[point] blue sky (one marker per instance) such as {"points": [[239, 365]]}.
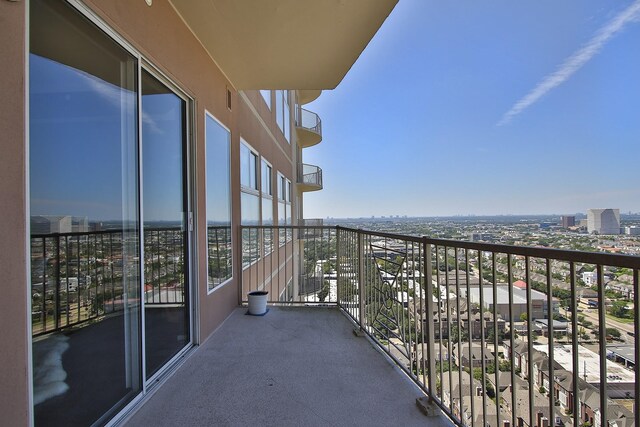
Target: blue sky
{"points": [[492, 107]]}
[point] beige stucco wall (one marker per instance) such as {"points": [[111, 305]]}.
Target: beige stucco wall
{"points": [[14, 383], [163, 39]]}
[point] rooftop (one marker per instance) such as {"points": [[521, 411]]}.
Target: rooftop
{"points": [[589, 364]]}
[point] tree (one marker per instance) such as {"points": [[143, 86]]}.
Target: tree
{"points": [[619, 309], [505, 366], [455, 334], [523, 317]]}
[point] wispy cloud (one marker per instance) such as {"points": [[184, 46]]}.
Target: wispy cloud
{"points": [[575, 61]]}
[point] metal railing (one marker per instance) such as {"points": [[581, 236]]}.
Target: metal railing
{"points": [[308, 120], [298, 269], [310, 175], [80, 277], [495, 335]]}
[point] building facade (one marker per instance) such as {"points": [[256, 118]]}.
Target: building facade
{"points": [[568, 221], [137, 137], [603, 221]]}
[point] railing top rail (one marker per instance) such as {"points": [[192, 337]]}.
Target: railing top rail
{"points": [[80, 233], [309, 112], [98, 232], [310, 166]]}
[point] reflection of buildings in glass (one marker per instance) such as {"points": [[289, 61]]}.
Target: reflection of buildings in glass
{"points": [[47, 224]]}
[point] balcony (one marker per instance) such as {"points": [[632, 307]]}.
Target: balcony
{"points": [[292, 367], [308, 127], [309, 177], [428, 304]]}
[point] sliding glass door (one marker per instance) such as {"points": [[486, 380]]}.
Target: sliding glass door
{"points": [[165, 222], [109, 201], [85, 237]]}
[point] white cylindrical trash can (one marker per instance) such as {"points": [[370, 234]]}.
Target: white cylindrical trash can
{"points": [[257, 302]]}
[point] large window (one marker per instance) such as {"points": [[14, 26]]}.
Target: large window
{"points": [[284, 206], [218, 169], [249, 203], [267, 205], [287, 116], [248, 168], [280, 109], [283, 114]]}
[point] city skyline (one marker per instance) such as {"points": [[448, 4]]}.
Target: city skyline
{"points": [[488, 109]]}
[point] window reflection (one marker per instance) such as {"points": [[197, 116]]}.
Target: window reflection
{"points": [[84, 205], [218, 161]]}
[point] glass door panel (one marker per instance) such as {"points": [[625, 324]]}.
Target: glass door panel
{"points": [[165, 203], [85, 281]]}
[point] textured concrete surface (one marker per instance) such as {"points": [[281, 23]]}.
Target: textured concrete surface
{"points": [[292, 367]]}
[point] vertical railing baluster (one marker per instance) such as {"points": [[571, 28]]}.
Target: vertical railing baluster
{"points": [[483, 343], [574, 345], [449, 320], [602, 336], [56, 314], [514, 407], [636, 340], [44, 284], [439, 317], [66, 262], [496, 332], [469, 339], [428, 274], [361, 306], [550, 342], [338, 243], [529, 341], [459, 329]]}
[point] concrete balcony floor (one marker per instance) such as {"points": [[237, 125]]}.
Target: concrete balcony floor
{"points": [[291, 367]]}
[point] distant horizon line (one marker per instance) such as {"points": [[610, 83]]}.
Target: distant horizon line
{"points": [[628, 213]]}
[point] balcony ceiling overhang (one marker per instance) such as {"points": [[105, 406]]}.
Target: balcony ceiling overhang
{"points": [[284, 44]]}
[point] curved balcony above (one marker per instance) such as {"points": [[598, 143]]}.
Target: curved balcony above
{"points": [[305, 96], [309, 177], [308, 127]]}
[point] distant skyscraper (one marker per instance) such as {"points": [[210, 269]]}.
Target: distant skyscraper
{"points": [[568, 221], [603, 221]]}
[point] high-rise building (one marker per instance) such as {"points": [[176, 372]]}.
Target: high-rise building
{"points": [[603, 221], [568, 221]]}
